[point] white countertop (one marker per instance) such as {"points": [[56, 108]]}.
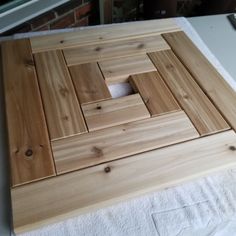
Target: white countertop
{"points": [[220, 37]]}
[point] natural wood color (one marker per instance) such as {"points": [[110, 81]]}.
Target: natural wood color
{"points": [[108, 33], [195, 103], [126, 152], [89, 83], [121, 141], [119, 70], [62, 109], [99, 52], [83, 191], [29, 149], [114, 112], [206, 75], [155, 93]]}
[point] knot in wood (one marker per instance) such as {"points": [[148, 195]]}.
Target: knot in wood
{"points": [[169, 67], [98, 49], [29, 64], [97, 151], [107, 169], [29, 154], [141, 45], [232, 148], [64, 91]]}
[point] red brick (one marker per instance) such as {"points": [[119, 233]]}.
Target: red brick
{"points": [[67, 7], [45, 27], [83, 11], [42, 19], [83, 22], [63, 22]]}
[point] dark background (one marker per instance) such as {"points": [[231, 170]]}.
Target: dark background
{"points": [[154, 9]]}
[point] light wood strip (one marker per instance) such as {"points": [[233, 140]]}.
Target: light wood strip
{"points": [[62, 109], [196, 104], [99, 52], [108, 33], [121, 141], [29, 148], [155, 93], [96, 187], [119, 70], [114, 112], [206, 75], [89, 83]]}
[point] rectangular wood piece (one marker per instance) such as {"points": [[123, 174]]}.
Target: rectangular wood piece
{"points": [[108, 33], [89, 189], [118, 70], [204, 115], [90, 149], [114, 112], [89, 83], [62, 109], [29, 148], [100, 52], [155, 93], [214, 85]]}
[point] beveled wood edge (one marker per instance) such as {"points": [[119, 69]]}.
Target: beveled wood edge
{"points": [[66, 40], [128, 196]]}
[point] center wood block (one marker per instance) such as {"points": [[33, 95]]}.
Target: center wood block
{"points": [[114, 112], [154, 92]]}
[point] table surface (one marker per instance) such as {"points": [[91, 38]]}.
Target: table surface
{"points": [[214, 30], [220, 37]]}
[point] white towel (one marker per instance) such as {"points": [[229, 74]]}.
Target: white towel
{"points": [[205, 207]]}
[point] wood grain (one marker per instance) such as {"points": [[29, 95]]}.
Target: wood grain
{"points": [[195, 103], [109, 183], [155, 93], [62, 109], [107, 51], [121, 141], [29, 149], [214, 85], [114, 112], [108, 33], [119, 70], [89, 83]]}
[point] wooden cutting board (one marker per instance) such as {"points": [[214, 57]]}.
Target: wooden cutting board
{"points": [[73, 148]]}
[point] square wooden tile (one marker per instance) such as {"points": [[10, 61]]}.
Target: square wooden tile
{"points": [[73, 148]]}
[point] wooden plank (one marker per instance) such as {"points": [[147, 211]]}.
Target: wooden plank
{"points": [[108, 33], [107, 9], [196, 104], [155, 93], [109, 183], [119, 70], [62, 109], [29, 148], [114, 112], [214, 85], [121, 141], [89, 83], [99, 52]]}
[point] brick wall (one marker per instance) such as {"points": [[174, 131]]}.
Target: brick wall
{"points": [[73, 14]]}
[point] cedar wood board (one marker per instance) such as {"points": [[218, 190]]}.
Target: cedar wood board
{"points": [[66, 131]]}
